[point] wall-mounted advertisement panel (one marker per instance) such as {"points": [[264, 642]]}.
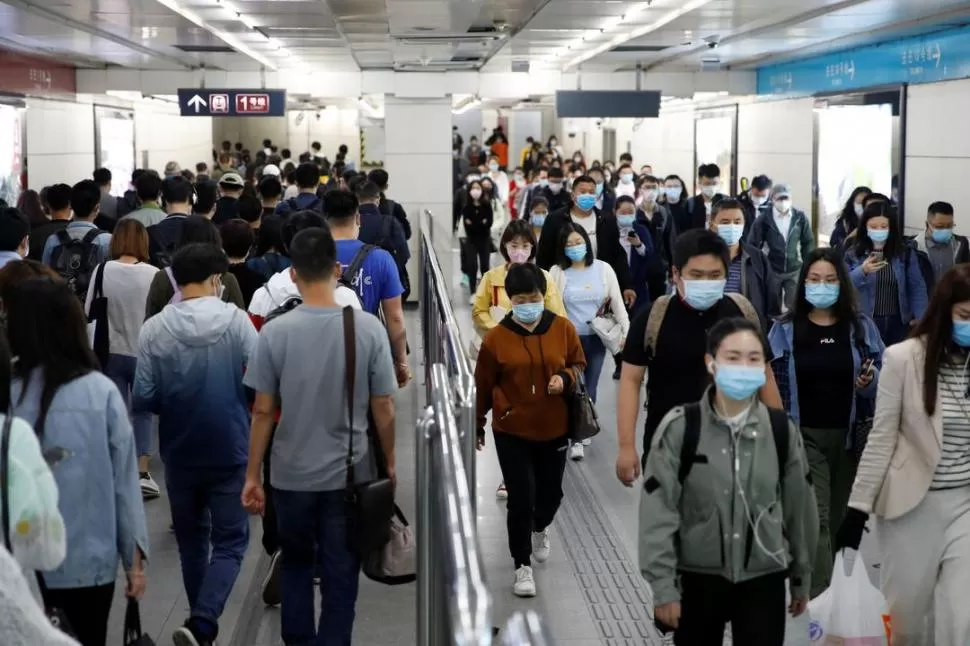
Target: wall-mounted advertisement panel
{"points": [[114, 145], [13, 174]]}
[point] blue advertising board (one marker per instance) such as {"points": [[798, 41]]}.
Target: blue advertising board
{"points": [[196, 102], [938, 56]]}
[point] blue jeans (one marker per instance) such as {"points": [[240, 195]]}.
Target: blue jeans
{"points": [[314, 526], [206, 511], [121, 370], [595, 353]]}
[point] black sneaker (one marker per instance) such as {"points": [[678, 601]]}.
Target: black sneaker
{"points": [[272, 595]]}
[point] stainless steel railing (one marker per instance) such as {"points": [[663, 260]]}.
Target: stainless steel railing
{"points": [[454, 604], [443, 344]]}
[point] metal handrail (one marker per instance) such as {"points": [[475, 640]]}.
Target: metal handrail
{"points": [[454, 603], [443, 344], [525, 629]]}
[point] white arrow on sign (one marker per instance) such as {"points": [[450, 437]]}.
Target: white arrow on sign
{"points": [[197, 102]]}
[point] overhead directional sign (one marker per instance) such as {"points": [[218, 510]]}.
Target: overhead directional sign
{"points": [[938, 56], [195, 102]]}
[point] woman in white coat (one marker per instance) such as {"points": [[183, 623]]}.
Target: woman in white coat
{"points": [[914, 475], [590, 290]]}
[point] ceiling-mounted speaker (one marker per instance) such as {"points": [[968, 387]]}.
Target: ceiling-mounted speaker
{"points": [[299, 118]]}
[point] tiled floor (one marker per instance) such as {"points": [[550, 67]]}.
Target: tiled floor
{"points": [[590, 591]]}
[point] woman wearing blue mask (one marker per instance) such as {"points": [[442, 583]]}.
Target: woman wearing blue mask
{"points": [[637, 241], [827, 358], [674, 197], [914, 476], [525, 366], [589, 289], [886, 271], [739, 524]]}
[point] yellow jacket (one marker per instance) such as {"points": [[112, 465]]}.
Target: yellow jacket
{"points": [[491, 293]]}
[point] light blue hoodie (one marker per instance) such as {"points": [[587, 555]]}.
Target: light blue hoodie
{"points": [[191, 359]]}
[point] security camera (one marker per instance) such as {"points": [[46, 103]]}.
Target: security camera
{"points": [[712, 41]]}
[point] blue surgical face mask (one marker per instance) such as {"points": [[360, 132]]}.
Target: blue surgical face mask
{"points": [[538, 219], [961, 333], [703, 294], [730, 233], [493, 167], [626, 220], [673, 193], [543, 182], [878, 235], [599, 189], [822, 295], [576, 253], [941, 236], [528, 312], [737, 381], [586, 202]]}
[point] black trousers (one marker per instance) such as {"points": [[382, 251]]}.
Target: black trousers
{"points": [[533, 478], [86, 610], [475, 261], [755, 608], [271, 537]]}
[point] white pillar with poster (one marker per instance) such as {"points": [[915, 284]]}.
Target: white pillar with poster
{"points": [[418, 161]]}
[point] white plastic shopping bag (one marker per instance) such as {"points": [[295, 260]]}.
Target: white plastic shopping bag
{"points": [[852, 612]]}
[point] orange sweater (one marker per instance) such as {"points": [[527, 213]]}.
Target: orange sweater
{"points": [[513, 371]]}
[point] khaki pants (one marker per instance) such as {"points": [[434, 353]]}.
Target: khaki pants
{"points": [[926, 570], [833, 470]]}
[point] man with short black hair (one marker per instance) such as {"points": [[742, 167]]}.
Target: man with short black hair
{"points": [[250, 210], [14, 235], [371, 271], [201, 172], [670, 337], [554, 190], [206, 196], [231, 187], [85, 203], [270, 193], [699, 207], [754, 200], [109, 203], [148, 187], [379, 229], [938, 249], [191, 359], [59, 201], [164, 237], [302, 359], [388, 206], [307, 180]]}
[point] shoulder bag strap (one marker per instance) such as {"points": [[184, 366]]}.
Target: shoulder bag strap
{"points": [[655, 321], [99, 281], [350, 355], [5, 479]]}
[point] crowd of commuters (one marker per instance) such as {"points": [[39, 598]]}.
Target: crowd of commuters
{"points": [[193, 300], [794, 391]]}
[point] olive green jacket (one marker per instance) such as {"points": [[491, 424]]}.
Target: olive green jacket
{"points": [[701, 527]]}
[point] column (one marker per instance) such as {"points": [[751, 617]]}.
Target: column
{"points": [[417, 158]]}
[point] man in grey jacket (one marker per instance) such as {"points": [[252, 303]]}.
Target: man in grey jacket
{"points": [[733, 526]]}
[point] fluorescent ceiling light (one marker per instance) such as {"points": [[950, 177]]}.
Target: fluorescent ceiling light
{"points": [[370, 109], [669, 17], [473, 102], [229, 39], [236, 14]]}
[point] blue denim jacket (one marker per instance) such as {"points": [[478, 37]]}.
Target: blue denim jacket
{"points": [[100, 498], [780, 338], [912, 288]]}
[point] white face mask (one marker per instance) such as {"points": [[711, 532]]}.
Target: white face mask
{"points": [[783, 206], [709, 190], [475, 193], [758, 200], [555, 187], [859, 209]]}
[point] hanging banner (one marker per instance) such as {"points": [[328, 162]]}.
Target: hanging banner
{"points": [[21, 74]]}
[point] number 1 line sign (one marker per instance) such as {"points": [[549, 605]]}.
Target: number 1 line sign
{"points": [[196, 102]]}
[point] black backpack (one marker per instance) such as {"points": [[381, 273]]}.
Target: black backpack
{"points": [[692, 437], [315, 205], [348, 277], [76, 260]]}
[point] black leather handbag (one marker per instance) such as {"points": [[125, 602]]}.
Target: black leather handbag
{"points": [[55, 615], [583, 421], [133, 634], [370, 505]]}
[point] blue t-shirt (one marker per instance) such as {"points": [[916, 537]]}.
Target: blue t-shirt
{"points": [[378, 280]]}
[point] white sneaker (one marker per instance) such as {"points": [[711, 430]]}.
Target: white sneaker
{"points": [[525, 584], [502, 493], [471, 299], [576, 452], [149, 488], [540, 545]]}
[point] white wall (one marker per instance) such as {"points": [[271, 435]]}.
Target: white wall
{"points": [[937, 151], [775, 138], [60, 142], [666, 143], [166, 136], [522, 124], [469, 124], [331, 127]]}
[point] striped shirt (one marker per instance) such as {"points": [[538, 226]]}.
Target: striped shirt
{"points": [[887, 292], [733, 285], [953, 470]]}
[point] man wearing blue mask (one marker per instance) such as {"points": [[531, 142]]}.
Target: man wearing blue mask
{"points": [[939, 248], [749, 273], [601, 227], [670, 337]]}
